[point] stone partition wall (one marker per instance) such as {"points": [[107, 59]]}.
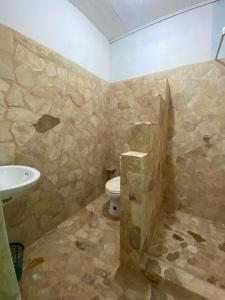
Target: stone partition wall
{"points": [[135, 100], [52, 117], [142, 179], [195, 170]]}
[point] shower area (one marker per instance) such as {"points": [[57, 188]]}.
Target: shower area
{"points": [[172, 226], [162, 133]]}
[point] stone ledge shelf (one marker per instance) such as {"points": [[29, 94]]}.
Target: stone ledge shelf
{"points": [[135, 154]]}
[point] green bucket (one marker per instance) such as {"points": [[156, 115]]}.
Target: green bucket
{"points": [[17, 250]]}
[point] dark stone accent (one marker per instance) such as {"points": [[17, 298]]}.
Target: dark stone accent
{"points": [[101, 273], [131, 196], [45, 123], [95, 298], [177, 237], [196, 236], [81, 245], [134, 237], [153, 266], [91, 248], [222, 246], [123, 297], [162, 249], [168, 227], [35, 262], [173, 256], [157, 294], [183, 244], [222, 285], [212, 280], [151, 276], [170, 274], [89, 279]]}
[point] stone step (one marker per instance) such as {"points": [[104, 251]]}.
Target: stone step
{"points": [[165, 275]]}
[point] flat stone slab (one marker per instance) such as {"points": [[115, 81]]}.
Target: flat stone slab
{"points": [[188, 252]]}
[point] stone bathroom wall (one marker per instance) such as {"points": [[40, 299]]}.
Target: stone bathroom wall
{"points": [[55, 116], [142, 178], [135, 100], [52, 117], [195, 170]]}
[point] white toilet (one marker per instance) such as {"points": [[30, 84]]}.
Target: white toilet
{"points": [[112, 190]]}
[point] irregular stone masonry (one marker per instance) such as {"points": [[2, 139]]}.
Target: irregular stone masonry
{"points": [[194, 174], [142, 180], [93, 131], [53, 117], [79, 260], [187, 253]]}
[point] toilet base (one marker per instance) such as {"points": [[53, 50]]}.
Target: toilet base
{"points": [[114, 208]]}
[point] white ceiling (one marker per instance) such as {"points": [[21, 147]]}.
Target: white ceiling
{"points": [[116, 18]]}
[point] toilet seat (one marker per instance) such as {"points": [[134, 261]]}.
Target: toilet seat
{"points": [[112, 190], [113, 186]]}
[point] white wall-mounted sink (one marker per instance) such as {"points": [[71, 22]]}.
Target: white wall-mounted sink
{"points": [[15, 180]]}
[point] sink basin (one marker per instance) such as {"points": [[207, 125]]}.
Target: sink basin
{"points": [[15, 180]]}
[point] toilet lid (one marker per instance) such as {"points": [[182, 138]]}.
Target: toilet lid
{"points": [[113, 185]]}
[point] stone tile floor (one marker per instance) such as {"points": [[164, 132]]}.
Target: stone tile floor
{"points": [[79, 259], [190, 252]]}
